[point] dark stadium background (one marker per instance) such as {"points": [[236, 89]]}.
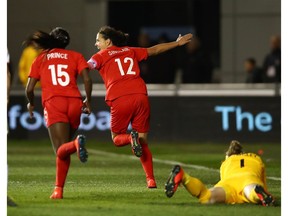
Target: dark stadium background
{"points": [[229, 29]]}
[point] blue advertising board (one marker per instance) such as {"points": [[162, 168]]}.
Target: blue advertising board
{"points": [[173, 118]]}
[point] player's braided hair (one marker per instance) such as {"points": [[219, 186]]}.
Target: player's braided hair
{"points": [[234, 148], [117, 37]]}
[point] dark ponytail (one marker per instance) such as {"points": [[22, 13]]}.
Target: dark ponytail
{"points": [[57, 38], [117, 37]]}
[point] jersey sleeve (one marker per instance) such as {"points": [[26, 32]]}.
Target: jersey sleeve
{"points": [[95, 61], [82, 63], [140, 53]]}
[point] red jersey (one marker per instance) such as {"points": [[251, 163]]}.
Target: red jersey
{"points": [[119, 69], [57, 70]]}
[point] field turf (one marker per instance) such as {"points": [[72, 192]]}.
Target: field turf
{"points": [[112, 182]]}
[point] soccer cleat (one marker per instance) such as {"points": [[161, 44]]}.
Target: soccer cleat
{"points": [[173, 181], [151, 183], [81, 150], [135, 145], [57, 193], [265, 198], [10, 202]]}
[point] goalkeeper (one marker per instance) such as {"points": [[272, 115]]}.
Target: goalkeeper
{"points": [[242, 180]]}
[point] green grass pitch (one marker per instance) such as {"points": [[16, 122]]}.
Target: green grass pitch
{"points": [[112, 182]]}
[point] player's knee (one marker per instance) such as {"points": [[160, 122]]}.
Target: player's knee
{"points": [[143, 139], [218, 195], [61, 154]]}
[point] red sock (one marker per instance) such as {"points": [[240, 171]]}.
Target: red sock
{"points": [[146, 160], [122, 140], [66, 150], [62, 167], [63, 162]]}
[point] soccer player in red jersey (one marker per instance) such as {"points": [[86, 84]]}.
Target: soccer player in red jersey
{"points": [[126, 91], [57, 70]]}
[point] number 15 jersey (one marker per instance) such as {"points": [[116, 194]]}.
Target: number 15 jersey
{"points": [[57, 70], [119, 69]]}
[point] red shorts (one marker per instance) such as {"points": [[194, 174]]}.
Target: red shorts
{"points": [[63, 109], [133, 108]]}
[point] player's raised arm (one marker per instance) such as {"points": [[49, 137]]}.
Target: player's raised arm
{"points": [[163, 47]]}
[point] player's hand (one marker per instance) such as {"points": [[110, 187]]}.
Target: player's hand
{"points": [[182, 40], [30, 109], [86, 108]]}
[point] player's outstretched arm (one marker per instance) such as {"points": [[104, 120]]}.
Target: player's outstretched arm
{"points": [[163, 47]]}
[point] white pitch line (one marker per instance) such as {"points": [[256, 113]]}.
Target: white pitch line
{"points": [[167, 162]]}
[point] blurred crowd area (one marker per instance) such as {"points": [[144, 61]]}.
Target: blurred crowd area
{"points": [[234, 42], [190, 64], [193, 64]]}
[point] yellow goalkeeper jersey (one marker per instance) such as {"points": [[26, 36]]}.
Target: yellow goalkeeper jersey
{"points": [[242, 164], [238, 171]]}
